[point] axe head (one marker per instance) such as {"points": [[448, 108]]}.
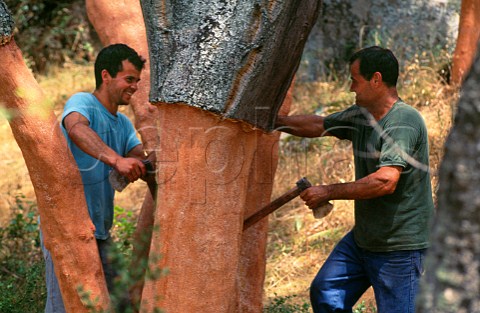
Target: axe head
{"points": [[324, 209], [303, 184]]}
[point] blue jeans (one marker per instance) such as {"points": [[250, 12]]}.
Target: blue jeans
{"points": [[350, 270], [54, 303]]}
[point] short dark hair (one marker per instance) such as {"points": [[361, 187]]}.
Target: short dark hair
{"points": [[376, 59], [111, 57]]}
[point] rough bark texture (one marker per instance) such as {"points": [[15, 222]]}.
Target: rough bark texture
{"points": [[452, 282], [66, 226], [236, 59], [468, 37]]}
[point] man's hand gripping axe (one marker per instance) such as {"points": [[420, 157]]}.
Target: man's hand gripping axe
{"points": [[320, 212]]}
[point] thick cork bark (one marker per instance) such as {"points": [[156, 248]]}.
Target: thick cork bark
{"points": [[235, 59], [66, 226], [252, 260], [452, 280], [468, 37]]}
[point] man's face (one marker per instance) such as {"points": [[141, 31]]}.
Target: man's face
{"points": [[364, 93], [124, 85]]}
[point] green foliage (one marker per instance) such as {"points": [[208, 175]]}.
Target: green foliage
{"points": [[362, 307], [123, 229], [286, 305], [52, 32], [121, 255], [22, 268], [21, 263]]}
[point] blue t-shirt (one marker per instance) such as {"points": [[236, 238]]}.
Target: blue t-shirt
{"points": [[115, 131]]}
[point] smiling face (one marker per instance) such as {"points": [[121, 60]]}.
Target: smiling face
{"points": [[364, 92], [121, 87]]}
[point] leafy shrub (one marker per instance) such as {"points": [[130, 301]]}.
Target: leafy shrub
{"points": [[52, 32], [22, 269], [362, 307], [286, 305], [21, 264], [124, 225]]}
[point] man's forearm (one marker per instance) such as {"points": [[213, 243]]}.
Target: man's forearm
{"points": [[90, 143], [301, 125], [380, 183]]}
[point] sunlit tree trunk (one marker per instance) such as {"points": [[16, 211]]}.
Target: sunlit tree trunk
{"points": [[252, 265], [220, 72], [252, 260], [468, 36], [206, 164], [66, 226], [452, 280]]}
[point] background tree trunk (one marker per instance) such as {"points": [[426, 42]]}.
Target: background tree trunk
{"points": [[452, 282], [468, 37], [66, 226], [130, 29]]}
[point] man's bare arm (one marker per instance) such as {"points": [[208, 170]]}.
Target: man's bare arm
{"points": [[302, 125], [88, 141], [382, 182]]}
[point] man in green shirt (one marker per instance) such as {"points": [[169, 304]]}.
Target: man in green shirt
{"points": [[392, 191]]}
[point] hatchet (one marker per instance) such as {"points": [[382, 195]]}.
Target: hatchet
{"points": [[323, 210]]}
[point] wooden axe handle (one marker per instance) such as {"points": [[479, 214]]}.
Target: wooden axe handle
{"points": [[301, 185]]}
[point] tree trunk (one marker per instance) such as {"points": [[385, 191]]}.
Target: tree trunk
{"points": [[130, 29], [468, 37], [452, 282], [214, 243], [252, 265], [233, 59], [236, 61], [66, 226]]}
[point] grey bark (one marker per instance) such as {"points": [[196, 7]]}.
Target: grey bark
{"points": [[452, 281], [6, 24], [234, 58]]}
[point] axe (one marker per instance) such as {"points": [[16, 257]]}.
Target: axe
{"points": [[320, 212]]}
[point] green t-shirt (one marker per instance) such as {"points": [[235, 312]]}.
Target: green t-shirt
{"points": [[399, 221]]}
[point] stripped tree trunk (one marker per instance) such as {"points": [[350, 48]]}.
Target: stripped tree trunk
{"points": [[130, 29], [252, 265], [220, 71], [468, 37], [122, 22], [452, 282], [252, 262], [66, 226]]}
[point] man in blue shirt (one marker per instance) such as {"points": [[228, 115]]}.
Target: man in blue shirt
{"points": [[101, 139]]}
